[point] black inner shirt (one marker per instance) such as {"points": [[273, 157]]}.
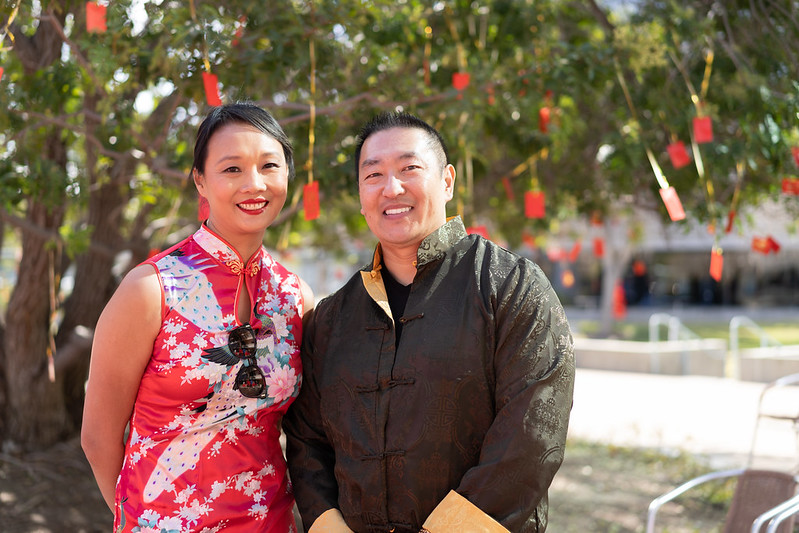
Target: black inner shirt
{"points": [[397, 298]]}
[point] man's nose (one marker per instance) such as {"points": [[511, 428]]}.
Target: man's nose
{"points": [[393, 186]]}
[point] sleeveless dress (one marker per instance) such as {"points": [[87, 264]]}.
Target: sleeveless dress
{"points": [[201, 457]]}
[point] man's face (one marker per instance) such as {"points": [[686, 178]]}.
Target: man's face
{"points": [[404, 187]]}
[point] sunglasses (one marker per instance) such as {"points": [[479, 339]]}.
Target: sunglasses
{"points": [[250, 380]]}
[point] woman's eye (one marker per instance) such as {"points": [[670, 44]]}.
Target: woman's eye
{"points": [[231, 169]]}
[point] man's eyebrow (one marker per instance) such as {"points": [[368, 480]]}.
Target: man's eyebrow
{"points": [[375, 161]]}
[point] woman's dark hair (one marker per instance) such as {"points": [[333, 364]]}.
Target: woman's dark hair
{"points": [[388, 120], [240, 112]]}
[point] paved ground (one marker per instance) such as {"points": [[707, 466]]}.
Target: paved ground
{"points": [[707, 416]]}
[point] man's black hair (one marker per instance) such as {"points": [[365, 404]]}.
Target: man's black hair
{"points": [[390, 119]]}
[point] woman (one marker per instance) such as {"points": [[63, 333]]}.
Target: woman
{"points": [[198, 350]]}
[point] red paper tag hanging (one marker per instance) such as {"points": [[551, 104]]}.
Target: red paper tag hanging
{"points": [[310, 200], [773, 245], [95, 18], [790, 186], [1, 73], [534, 204], [730, 220], [575, 252], [716, 264], [543, 119], [703, 130], [460, 80], [211, 89], [678, 154], [477, 230], [203, 209], [795, 154], [508, 189], [619, 302], [529, 240], [599, 247], [239, 30], [491, 98], [596, 218], [673, 204]]}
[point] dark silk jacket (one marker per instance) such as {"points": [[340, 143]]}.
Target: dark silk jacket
{"points": [[476, 398]]}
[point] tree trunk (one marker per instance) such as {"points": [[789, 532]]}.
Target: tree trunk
{"points": [[35, 408], [618, 251]]}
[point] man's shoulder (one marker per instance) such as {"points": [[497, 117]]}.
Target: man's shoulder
{"points": [[486, 250]]}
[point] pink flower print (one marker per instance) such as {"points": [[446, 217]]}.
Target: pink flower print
{"points": [[280, 383]]}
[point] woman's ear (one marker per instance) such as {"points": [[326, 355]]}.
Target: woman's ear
{"points": [[199, 182]]}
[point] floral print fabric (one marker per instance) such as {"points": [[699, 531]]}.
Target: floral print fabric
{"points": [[200, 456]]}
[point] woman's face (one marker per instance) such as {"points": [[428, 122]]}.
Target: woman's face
{"points": [[245, 182]]}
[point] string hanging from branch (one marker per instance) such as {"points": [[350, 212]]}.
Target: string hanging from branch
{"points": [[310, 197], [667, 192]]}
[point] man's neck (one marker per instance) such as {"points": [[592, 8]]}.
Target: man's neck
{"points": [[401, 263]]}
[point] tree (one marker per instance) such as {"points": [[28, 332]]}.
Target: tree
{"points": [[562, 97]]}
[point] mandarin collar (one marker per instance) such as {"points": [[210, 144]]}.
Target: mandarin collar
{"points": [[225, 254], [432, 246]]}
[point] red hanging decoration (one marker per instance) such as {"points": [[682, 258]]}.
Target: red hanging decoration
{"points": [[478, 230], [534, 204], [765, 245], [529, 240], [716, 264], [790, 186], [95, 18], [491, 98], [678, 154], [460, 80], [310, 200], [1, 73], [575, 252], [795, 154], [673, 204], [239, 30], [730, 220], [703, 130], [543, 119], [211, 89], [508, 189], [619, 302], [599, 247]]}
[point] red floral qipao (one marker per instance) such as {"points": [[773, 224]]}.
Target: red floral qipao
{"points": [[200, 456]]}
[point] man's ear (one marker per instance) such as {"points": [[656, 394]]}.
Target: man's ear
{"points": [[449, 181]]}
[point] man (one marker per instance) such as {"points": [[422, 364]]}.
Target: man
{"points": [[438, 381]]}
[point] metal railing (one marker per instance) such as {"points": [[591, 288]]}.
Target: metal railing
{"points": [[677, 331], [736, 323]]}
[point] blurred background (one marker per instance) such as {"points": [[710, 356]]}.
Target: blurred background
{"points": [[644, 153]]}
